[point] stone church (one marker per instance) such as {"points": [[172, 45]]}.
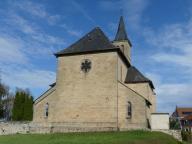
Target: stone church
{"points": [[97, 88]]}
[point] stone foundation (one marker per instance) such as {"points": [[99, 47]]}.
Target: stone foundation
{"points": [[31, 127], [175, 133], [14, 128], [26, 127]]}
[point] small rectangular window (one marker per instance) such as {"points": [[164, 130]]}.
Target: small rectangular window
{"points": [[123, 49], [129, 110], [46, 110], [121, 73]]}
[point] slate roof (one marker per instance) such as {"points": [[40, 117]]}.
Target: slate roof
{"points": [[121, 32], [53, 84], [95, 40], [135, 76]]}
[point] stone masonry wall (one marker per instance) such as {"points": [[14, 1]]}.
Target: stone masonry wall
{"points": [[145, 90], [26, 127], [138, 119], [86, 98], [39, 106]]}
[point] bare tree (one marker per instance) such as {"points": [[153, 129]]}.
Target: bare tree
{"points": [[6, 101]]}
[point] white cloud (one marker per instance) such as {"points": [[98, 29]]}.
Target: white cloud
{"points": [[11, 51], [82, 10], [37, 10], [17, 22], [111, 5], [24, 77], [22, 43], [176, 36], [40, 11], [174, 45], [71, 31], [177, 59], [74, 33], [170, 94], [132, 10], [16, 66], [20, 23], [154, 77]]}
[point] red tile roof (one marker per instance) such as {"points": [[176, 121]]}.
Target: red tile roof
{"points": [[188, 117], [182, 112]]}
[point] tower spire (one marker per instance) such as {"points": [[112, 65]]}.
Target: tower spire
{"points": [[121, 34]]}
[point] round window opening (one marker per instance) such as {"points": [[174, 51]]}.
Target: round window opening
{"points": [[86, 65]]}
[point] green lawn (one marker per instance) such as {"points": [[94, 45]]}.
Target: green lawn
{"points": [[132, 137]]}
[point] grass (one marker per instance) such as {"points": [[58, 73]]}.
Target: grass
{"points": [[131, 137]]}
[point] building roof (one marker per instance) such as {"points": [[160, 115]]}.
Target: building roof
{"points": [[135, 76], [188, 117], [53, 84], [182, 112], [121, 32], [93, 41]]}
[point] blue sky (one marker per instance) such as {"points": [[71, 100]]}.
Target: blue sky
{"points": [[160, 31]]}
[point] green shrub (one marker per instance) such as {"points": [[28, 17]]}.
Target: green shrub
{"points": [[186, 136], [174, 124]]}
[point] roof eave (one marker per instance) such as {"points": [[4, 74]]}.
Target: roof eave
{"points": [[96, 51], [127, 40], [150, 83], [83, 52]]}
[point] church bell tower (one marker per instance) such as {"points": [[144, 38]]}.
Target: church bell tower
{"points": [[121, 40]]}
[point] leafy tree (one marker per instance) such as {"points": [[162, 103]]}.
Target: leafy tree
{"points": [[17, 113], [4, 90], [174, 124], [7, 106], [28, 108], [23, 106], [1, 109], [4, 94]]}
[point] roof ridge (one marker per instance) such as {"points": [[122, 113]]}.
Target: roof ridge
{"points": [[92, 41]]}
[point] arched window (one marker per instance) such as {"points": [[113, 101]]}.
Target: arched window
{"points": [[46, 110], [129, 109]]}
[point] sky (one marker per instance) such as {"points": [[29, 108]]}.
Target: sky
{"points": [[160, 31]]}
